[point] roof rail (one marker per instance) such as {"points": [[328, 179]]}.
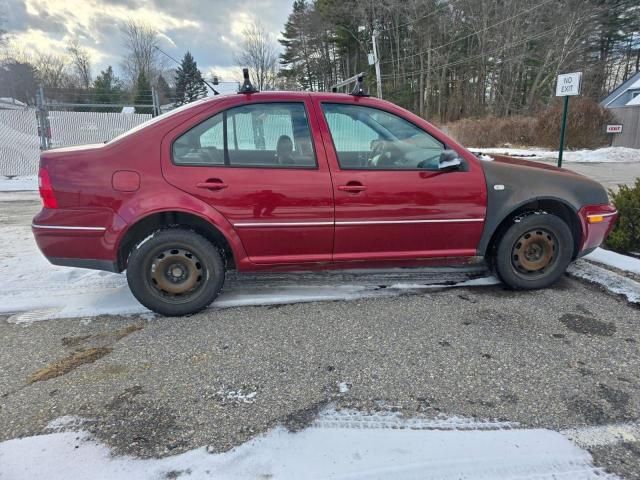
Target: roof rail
{"points": [[358, 89], [247, 86]]}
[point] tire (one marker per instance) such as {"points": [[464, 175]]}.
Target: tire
{"points": [[175, 272], [534, 251]]}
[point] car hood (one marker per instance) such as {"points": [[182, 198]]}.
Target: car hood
{"points": [[518, 162]]}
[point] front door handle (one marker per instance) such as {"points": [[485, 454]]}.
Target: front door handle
{"points": [[352, 187], [212, 184]]}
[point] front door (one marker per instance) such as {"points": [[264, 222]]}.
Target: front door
{"points": [[256, 164], [391, 201]]}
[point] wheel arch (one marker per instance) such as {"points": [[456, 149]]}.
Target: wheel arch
{"points": [[145, 226], [553, 205]]}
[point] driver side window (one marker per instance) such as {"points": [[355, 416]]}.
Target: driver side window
{"points": [[368, 138]]}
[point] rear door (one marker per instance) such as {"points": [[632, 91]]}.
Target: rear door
{"points": [[257, 164], [391, 201]]}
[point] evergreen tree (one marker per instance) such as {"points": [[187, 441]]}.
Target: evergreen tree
{"points": [[165, 92], [107, 88], [189, 84], [295, 40], [143, 94]]}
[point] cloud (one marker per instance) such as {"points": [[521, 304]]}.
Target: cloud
{"points": [[210, 29]]}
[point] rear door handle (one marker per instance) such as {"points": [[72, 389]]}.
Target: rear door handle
{"points": [[212, 184], [352, 187]]}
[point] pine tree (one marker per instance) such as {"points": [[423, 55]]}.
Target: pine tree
{"points": [[143, 94], [295, 58], [189, 84], [107, 88], [165, 93]]}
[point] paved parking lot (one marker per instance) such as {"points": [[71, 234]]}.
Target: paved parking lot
{"points": [[559, 358]]}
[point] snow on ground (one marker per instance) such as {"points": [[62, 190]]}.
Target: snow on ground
{"points": [[41, 291], [18, 184], [600, 155], [613, 282], [616, 260], [338, 445]]}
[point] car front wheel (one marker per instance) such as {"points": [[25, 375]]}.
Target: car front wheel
{"points": [[534, 251], [175, 272]]}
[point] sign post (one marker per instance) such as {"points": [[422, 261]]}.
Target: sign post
{"points": [[568, 85]]}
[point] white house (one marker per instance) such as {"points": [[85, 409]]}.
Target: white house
{"points": [[627, 92]]}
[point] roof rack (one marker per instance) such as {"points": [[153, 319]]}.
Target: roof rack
{"points": [[247, 86], [358, 89]]}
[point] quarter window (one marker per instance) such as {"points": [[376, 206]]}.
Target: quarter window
{"points": [[258, 135], [368, 138]]}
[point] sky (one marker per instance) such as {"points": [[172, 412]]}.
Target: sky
{"points": [[210, 29]]}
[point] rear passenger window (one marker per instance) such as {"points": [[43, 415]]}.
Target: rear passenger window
{"points": [[259, 135], [202, 145]]}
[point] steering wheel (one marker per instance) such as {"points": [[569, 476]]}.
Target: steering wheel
{"points": [[383, 154]]}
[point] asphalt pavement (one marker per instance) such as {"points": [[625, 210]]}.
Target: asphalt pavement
{"points": [[560, 358]]}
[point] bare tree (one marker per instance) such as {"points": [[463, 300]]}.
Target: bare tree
{"points": [[259, 54], [81, 62], [141, 42], [51, 70]]}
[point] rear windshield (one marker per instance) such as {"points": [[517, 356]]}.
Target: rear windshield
{"points": [[157, 119]]}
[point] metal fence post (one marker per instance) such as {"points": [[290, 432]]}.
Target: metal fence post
{"points": [[155, 109], [42, 116]]}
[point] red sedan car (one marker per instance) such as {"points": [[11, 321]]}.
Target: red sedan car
{"points": [[299, 181]]}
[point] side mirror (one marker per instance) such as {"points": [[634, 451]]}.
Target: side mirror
{"points": [[449, 160]]}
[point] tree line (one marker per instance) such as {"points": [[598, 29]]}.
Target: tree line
{"points": [[443, 59], [449, 59]]}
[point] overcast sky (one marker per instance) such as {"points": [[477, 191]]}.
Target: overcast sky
{"points": [[210, 29]]}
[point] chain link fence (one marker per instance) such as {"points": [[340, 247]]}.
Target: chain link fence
{"points": [[63, 117], [20, 144]]}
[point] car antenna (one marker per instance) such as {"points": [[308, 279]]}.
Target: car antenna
{"points": [[247, 86]]}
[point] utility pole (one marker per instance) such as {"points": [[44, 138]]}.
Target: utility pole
{"points": [[374, 39]]}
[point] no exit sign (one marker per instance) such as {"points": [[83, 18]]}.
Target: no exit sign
{"points": [[569, 84]]}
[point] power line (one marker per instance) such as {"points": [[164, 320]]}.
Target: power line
{"points": [[215, 92], [415, 20], [467, 59], [471, 34]]}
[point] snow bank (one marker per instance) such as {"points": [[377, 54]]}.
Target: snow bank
{"points": [[612, 281], [18, 184], [601, 155], [360, 448], [613, 259]]}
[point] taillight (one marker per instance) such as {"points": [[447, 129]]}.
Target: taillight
{"points": [[46, 190]]}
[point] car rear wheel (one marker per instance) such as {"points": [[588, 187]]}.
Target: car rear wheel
{"points": [[175, 272], [534, 251]]}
